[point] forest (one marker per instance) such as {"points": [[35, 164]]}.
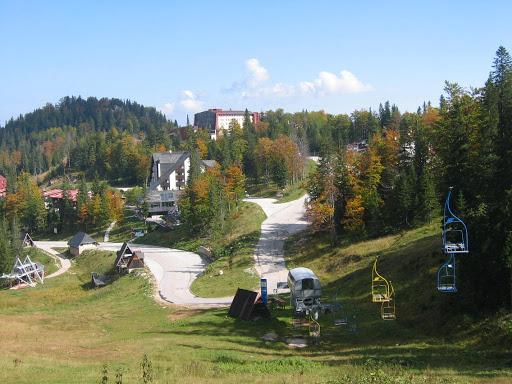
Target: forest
{"points": [[109, 138], [412, 160]]}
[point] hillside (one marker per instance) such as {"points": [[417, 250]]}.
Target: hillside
{"points": [[87, 331], [104, 137], [431, 323]]}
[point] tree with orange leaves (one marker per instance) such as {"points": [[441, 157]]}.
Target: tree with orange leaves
{"points": [[234, 186], [202, 148]]}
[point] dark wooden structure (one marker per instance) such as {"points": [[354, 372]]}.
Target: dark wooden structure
{"points": [[247, 305], [128, 259], [26, 240]]}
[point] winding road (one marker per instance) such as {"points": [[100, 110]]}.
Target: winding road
{"points": [[175, 270]]}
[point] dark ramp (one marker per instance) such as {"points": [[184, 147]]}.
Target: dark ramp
{"points": [[247, 305], [242, 304]]}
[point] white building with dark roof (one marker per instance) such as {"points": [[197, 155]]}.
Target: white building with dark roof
{"points": [[217, 120], [169, 176]]}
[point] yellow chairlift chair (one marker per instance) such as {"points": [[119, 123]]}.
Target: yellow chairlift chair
{"points": [[380, 286], [387, 308]]}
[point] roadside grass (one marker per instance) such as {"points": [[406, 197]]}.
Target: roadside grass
{"points": [[122, 231], [67, 234], [233, 253], [177, 237], [237, 270], [290, 192], [65, 332]]}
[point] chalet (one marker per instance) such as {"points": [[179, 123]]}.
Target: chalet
{"points": [[136, 261], [81, 242], [128, 259], [169, 175], [54, 198]]}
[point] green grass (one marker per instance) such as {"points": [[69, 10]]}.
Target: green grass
{"points": [[64, 332], [122, 231], [232, 251], [236, 263], [427, 327], [65, 235]]}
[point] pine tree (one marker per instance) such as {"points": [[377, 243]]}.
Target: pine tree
{"points": [[6, 255], [195, 167]]}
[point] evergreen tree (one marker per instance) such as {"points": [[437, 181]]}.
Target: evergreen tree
{"points": [[195, 167], [6, 254]]}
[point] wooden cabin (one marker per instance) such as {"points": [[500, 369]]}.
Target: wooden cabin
{"points": [[81, 242], [128, 259]]}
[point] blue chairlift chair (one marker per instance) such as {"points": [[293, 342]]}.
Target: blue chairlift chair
{"points": [[455, 232], [446, 276]]}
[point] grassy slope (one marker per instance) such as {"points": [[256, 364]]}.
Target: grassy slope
{"points": [[64, 331], [66, 235], [428, 332], [122, 231], [50, 264]]}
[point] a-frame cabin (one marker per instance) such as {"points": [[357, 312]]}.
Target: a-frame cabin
{"points": [[128, 259], [26, 240]]}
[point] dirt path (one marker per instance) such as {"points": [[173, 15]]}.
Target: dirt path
{"points": [[48, 246], [106, 237]]}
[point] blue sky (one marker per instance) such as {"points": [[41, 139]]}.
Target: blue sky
{"points": [[181, 57]]}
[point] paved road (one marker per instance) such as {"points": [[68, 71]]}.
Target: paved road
{"points": [[175, 270], [282, 221]]}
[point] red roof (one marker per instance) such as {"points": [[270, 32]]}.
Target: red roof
{"points": [[59, 194], [3, 184]]}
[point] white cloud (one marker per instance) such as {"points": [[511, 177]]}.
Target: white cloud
{"points": [[326, 83], [168, 108], [190, 101], [189, 94], [346, 82], [282, 90], [257, 73]]}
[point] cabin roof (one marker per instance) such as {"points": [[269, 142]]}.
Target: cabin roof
{"points": [[81, 238]]}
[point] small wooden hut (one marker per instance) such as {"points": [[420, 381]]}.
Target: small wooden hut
{"points": [[81, 242]]}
